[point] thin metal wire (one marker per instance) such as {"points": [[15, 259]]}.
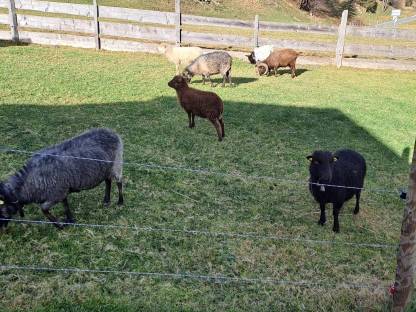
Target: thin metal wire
{"points": [[207, 233], [208, 278], [199, 171]]}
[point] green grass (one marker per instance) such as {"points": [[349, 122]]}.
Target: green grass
{"points": [[48, 94]]}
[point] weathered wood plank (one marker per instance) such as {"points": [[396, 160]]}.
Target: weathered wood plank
{"points": [[318, 29], [379, 64], [341, 39], [55, 23], [138, 32], [4, 19], [136, 15], [96, 25], [372, 32], [378, 50], [256, 32], [129, 46], [55, 7], [5, 35], [13, 20], [57, 39], [299, 45], [215, 21], [216, 39], [178, 23]]}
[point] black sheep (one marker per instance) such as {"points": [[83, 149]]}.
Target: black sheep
{"points": [[343, 168]]}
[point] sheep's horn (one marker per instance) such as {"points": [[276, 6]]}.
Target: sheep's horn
{"points": [[262, 65]]}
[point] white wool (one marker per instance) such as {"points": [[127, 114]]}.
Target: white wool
{"points": [[180, 56], [261, 53]]}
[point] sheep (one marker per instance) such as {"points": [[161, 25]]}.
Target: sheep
{"points": [[180, 56], [51, 174], [210, 64], [260, 54], [199, 103], [343, 168], [276, 59]]}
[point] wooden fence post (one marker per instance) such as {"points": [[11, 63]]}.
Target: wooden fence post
{"points": [[256, 32], [178, 22], [13, 21], [96, 25], [403, 285], [341, 39]]}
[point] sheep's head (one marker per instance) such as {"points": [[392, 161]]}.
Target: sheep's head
{"points": [[178, 82], [251, 58], [321, 166], [187, 74], [9, 205]]}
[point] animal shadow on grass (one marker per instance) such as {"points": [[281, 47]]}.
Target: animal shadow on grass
{"points": [[281, 72], [218, 81]]}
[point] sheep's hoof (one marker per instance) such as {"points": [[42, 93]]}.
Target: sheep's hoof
{"points": [[232, 85], [356, 211], [220, 139], [106, 204], [335, 229], [321, 222], [120, 203]]}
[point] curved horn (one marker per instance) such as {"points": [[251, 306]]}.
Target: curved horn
{"points": [[265, 67]]}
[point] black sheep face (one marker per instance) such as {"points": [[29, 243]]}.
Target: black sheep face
{"points": [[9, 206], [321, 166], [251, 58], [177, 82]]}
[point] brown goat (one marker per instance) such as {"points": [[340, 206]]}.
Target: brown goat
{"points": [[199, 103], [276, 59]]}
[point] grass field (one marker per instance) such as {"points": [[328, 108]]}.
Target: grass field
{"points": [[48, 94]]}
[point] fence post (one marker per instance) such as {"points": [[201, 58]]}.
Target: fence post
{"points": [[256, 32], [403, 285], [341, 39], [178, 22], [96, 25], [13, 21]]}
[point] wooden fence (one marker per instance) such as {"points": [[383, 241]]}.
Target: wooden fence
{"points": [[123, 29]]}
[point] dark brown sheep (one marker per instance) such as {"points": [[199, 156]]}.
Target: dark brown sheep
{"points": [[280, 58], [199, 103]]}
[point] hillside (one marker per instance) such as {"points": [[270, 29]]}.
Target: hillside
{"points": [[271, 10]]}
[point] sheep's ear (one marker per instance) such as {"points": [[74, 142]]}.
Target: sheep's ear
{"points": [[309, 157], [335, 158]]}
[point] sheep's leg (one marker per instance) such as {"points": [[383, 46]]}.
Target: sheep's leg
{"points": [[229, 78], [322, 218], [223, 79], [68, 213], [177, 68], [209, 79], [107, 192], [336, 209], [357, 202], [120, 193], [193, 120], [190, 119], [222, 126], [45, 209], [293, 69], [217, 126]]}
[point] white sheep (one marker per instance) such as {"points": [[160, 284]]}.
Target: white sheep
{"points": [[180, 56]]}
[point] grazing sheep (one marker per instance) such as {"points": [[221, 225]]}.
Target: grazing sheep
{"points": [[344, 168], [180, 56], [48, 180], [281, 58], [260, 54], [210, 64], [199, 103]]}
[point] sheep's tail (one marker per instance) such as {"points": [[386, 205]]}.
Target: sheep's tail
{"points": [[118, 162]]}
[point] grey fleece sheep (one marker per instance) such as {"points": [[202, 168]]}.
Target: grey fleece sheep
{"points": [[48, 180], [210, 64]]}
